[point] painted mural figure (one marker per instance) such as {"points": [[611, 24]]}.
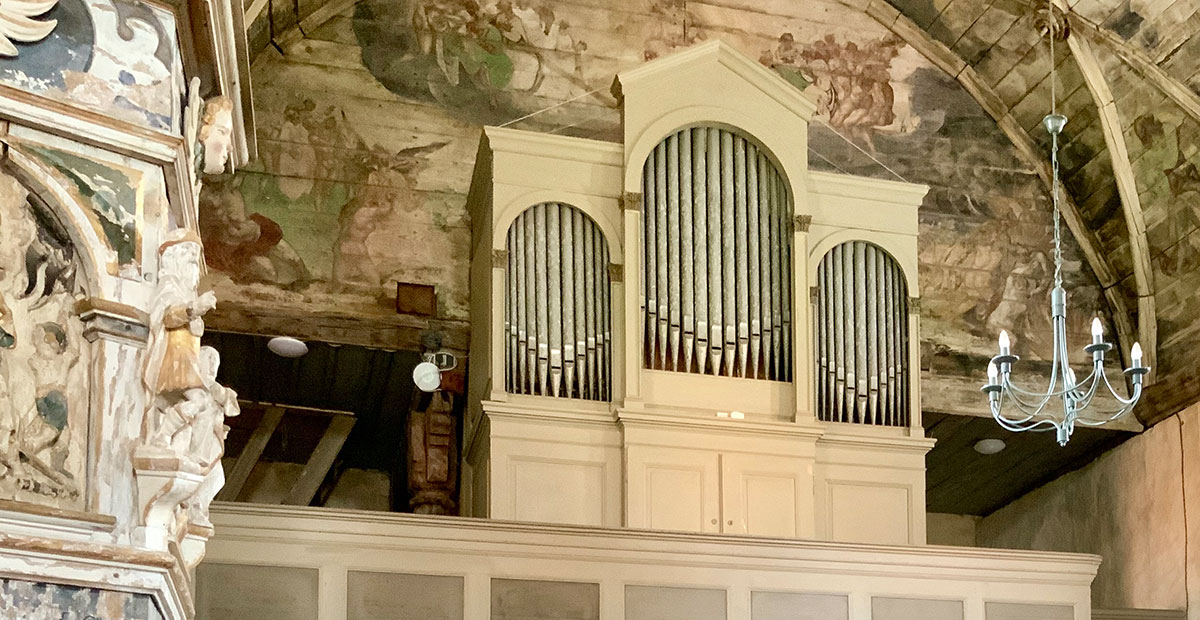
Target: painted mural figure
{"points": [[250, 248]]}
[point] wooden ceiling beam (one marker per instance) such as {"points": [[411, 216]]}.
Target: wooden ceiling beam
{"points": [[1131, 204], [949, 61], [1140, 62]]}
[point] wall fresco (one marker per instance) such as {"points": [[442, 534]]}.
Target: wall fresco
{"points": [[385, 146], [115, 57]]}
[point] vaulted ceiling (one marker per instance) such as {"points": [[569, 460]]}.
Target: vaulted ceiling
{"points": [[1126, 78]]}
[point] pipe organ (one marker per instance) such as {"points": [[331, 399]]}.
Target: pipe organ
{"points": [[862, 337], [690, 330], [717, 269], [559, 339]]}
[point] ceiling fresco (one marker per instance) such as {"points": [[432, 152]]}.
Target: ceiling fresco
{"points": [[369, 113]]}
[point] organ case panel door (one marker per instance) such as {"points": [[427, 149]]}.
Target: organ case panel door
{"points": [[764, 495], [673, 489]]}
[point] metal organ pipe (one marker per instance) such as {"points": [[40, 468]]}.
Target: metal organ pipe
{"points": [[862, 337], [558, 320], [716, 216]]}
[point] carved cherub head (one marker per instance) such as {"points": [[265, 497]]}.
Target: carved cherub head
{"points": [[216, 133], [179, 257]]}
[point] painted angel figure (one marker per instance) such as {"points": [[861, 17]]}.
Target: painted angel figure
{"points": [[176, 324]]}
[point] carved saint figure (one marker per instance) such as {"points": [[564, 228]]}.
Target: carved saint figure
{"points": [[173, 364], [208, 436]]}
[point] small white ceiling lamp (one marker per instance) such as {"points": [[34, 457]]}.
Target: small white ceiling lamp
{"points": [[427, 377], [285, 346], [989, 446]]}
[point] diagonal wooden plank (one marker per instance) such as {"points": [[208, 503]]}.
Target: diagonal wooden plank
{"points": [[973, 83], [1131, 204], [320, 461], [250, 454], [1141, 63]]}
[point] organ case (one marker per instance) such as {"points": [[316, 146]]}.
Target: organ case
{"points": [[690, 329]]}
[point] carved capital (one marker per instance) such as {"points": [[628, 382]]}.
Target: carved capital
{"points": [[814, 293], [802, 222], [616, 273], [631, 201], [914, 305], [499, 259], [112, 321]]}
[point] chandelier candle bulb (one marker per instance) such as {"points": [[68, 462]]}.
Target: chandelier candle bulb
{"points": [[1136, 355], [1097, 331], [1005, 343]]}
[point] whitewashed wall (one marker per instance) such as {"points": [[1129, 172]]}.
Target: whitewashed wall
{"points": [[1137, 506]]}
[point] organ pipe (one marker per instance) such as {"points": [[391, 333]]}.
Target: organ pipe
{"points": [[716, 241], [862, 337], [557, 315]]}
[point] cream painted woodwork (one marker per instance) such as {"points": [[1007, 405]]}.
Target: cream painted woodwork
{"points": [[529, 462], [676, 450], [635, 571]]}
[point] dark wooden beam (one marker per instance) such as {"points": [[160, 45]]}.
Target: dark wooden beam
{"points": [[250, 454], [322, 459]]}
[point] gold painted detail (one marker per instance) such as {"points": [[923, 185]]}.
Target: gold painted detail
{"points": [[802, 222], [631, 201]]}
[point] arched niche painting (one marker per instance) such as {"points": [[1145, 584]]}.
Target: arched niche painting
{"points": [[43, 358]]}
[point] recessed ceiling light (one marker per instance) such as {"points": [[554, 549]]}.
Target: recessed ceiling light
{"points": [[989, 446], [284, 346]]}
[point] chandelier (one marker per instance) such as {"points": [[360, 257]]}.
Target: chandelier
{"points": [[1018, 409]]}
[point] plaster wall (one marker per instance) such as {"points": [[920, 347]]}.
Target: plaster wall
{"points": [[950, 530], [1134, 506]]}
